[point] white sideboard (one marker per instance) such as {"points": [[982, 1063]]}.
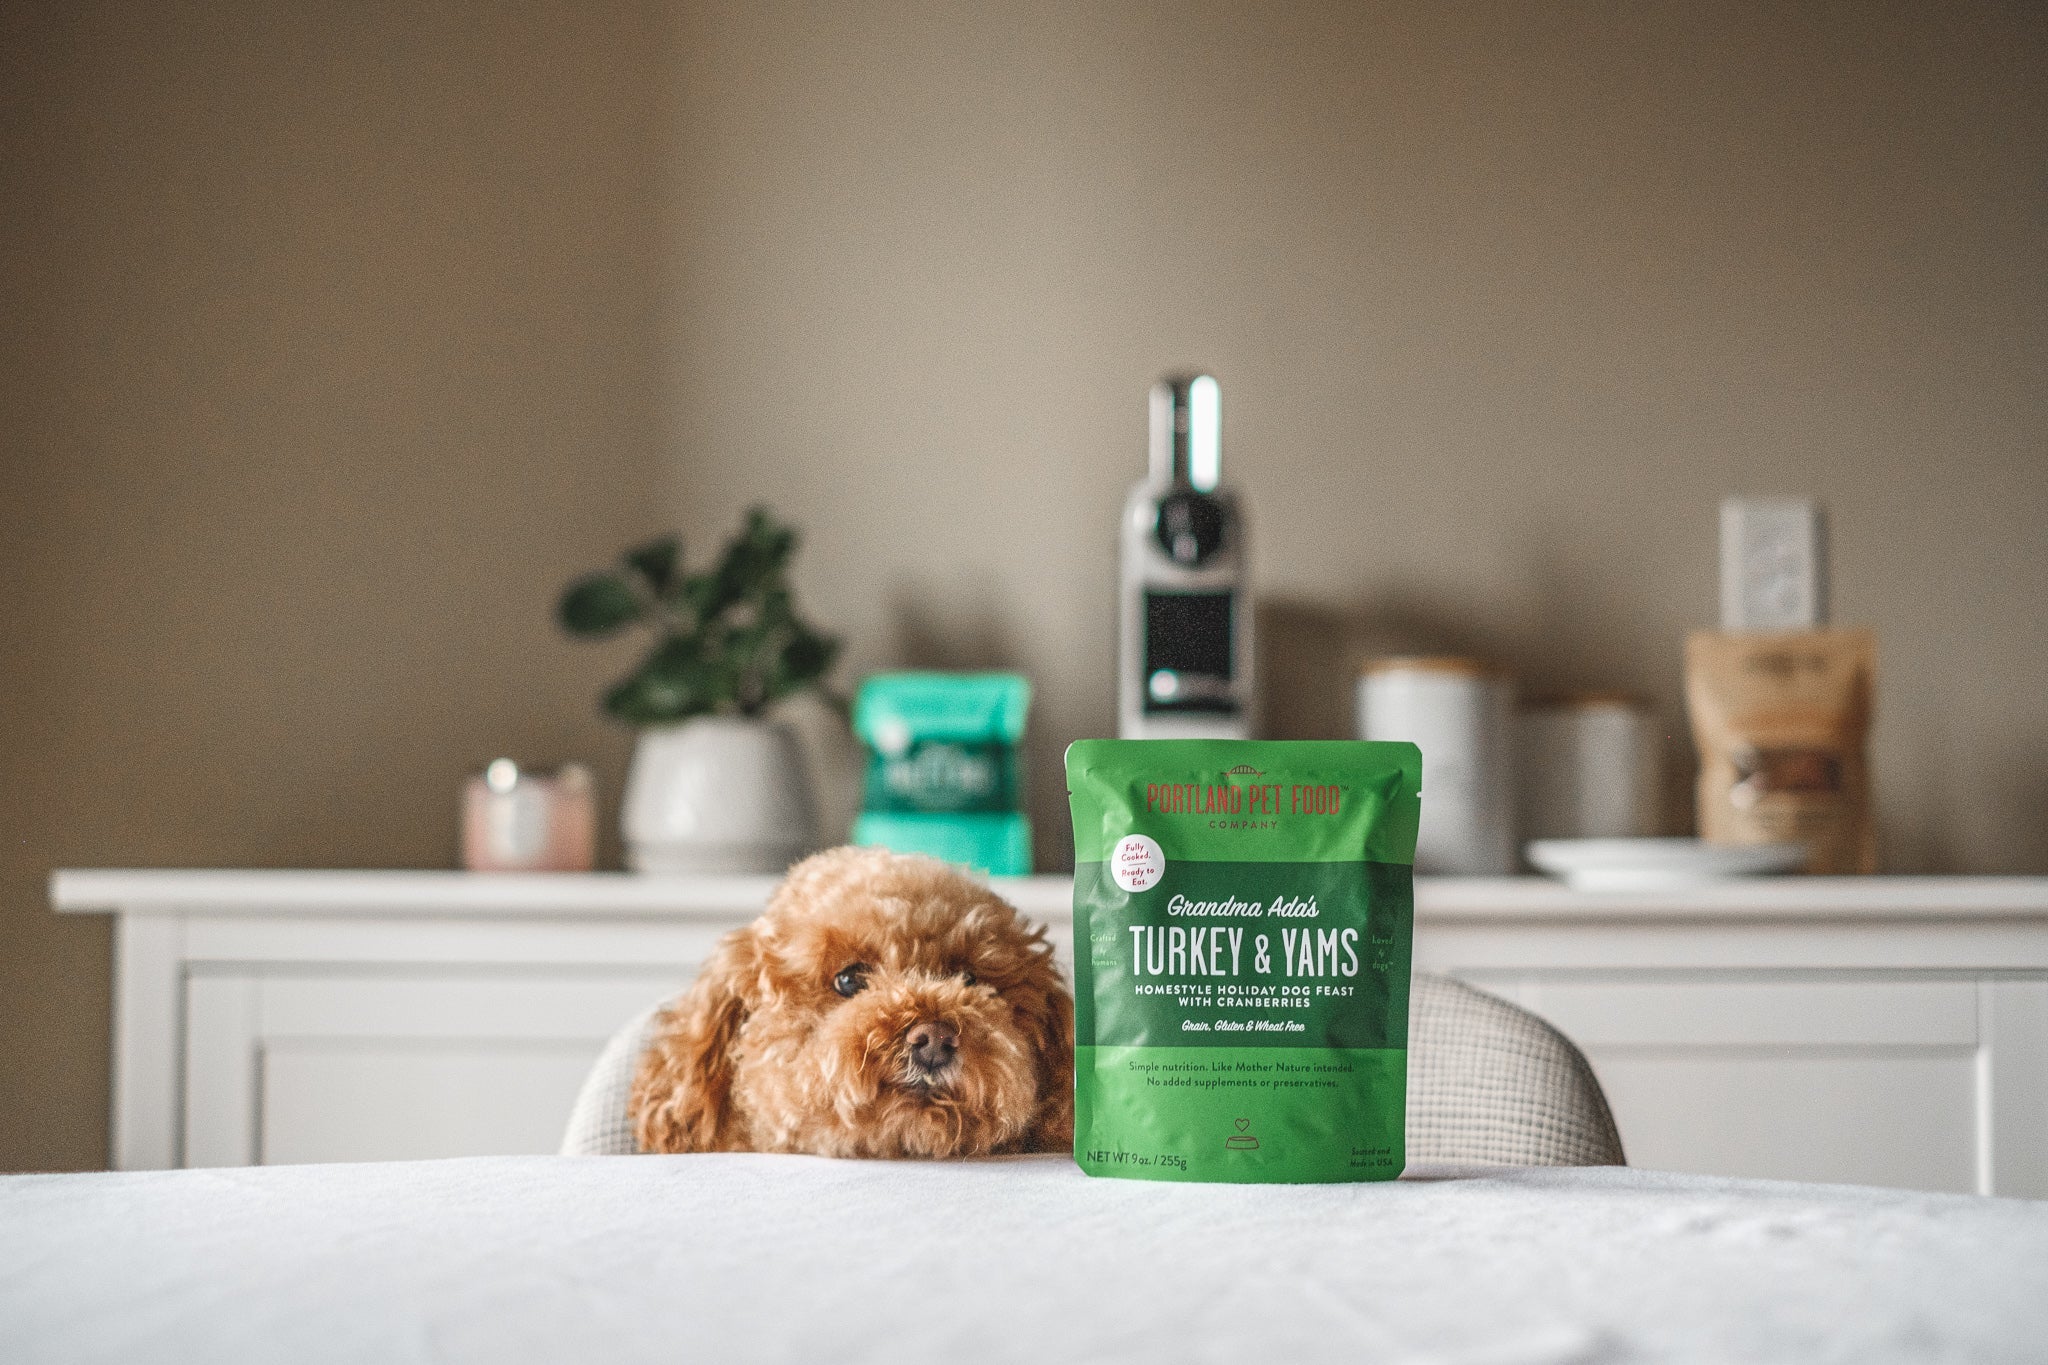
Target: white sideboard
{"points": [[1888, 1031]]}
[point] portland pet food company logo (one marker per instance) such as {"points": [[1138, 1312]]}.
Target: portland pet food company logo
{"points": [[1233, 803]]}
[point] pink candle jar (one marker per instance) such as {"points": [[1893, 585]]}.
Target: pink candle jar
{"points": [[514, 820]]}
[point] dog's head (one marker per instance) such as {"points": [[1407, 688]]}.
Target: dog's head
{"points": [[882, 1005]]}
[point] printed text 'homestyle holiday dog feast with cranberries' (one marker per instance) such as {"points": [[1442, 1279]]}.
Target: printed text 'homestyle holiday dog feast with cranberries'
{"points": [[1242, 917]]}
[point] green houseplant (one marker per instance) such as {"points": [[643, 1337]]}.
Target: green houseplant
{"points": [[715, 785], [728, 640]]}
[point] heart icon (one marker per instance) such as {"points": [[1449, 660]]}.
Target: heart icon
{"points": [[1243, 1124]]}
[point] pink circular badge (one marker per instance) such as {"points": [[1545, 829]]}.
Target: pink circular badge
{"points": [[1136, 863]]}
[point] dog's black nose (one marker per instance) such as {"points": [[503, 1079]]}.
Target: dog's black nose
{"points": [[932, 1045]]}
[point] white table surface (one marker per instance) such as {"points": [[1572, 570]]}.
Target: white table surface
{"points": [[742, 1258]]}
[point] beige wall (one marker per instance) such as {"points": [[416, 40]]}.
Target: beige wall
{"points": [[1504, 298], [337, 339], [334, 347]]}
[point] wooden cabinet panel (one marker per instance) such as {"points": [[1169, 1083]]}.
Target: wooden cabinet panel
{"points": [[1904, 1118], [359, 1100], [2014, 1101], [1718, 1011], [1872, 1080], [284, 1066], [498, 1006]]}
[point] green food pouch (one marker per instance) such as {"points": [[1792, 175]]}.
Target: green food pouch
{"points": [[1243, 914]]}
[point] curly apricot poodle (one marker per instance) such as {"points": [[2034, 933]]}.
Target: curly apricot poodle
{"points": [[882, 1006]]}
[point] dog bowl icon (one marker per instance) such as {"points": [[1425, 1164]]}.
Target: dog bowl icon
{"points": [[1241, 1140]]}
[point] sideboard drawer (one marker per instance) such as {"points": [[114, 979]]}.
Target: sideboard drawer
{"points": [[410, 1099], [284, 1066], [1911, 1082], [1801, 1011]]}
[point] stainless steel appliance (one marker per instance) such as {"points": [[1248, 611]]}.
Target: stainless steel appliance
{"points": [[1185, 657]]}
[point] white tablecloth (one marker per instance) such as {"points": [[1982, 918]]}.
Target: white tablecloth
{"points": [[740, 1258]]}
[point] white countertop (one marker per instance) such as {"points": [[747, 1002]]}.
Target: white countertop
{"points": [[622, 895]]}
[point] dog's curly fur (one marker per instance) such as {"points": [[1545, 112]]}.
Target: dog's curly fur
{"points": [[763, 1054]]}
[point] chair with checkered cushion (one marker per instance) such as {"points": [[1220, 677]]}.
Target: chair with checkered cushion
{"points": [[599, 1125], [1488, 1083]]}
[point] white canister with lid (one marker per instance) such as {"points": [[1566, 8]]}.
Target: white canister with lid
{"points": [[1589, 767], [1461, 713]]}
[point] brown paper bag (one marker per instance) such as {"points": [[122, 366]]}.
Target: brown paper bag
{"points": [[1780, 719]]}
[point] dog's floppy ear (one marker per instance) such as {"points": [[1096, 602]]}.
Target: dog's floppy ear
{"points": [[682, 1094], [1048, 1014]]}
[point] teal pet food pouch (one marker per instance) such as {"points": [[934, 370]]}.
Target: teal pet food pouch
{"points": [[1243, 913], [945, 772]]}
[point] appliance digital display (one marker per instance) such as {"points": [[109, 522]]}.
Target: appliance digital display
{"points": [[1188, 651]]}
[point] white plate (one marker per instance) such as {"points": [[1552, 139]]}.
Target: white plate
{"points": [[1658, 864]]}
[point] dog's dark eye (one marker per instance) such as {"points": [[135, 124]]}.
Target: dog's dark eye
{"points": [[967, 978], [851, 980]]}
